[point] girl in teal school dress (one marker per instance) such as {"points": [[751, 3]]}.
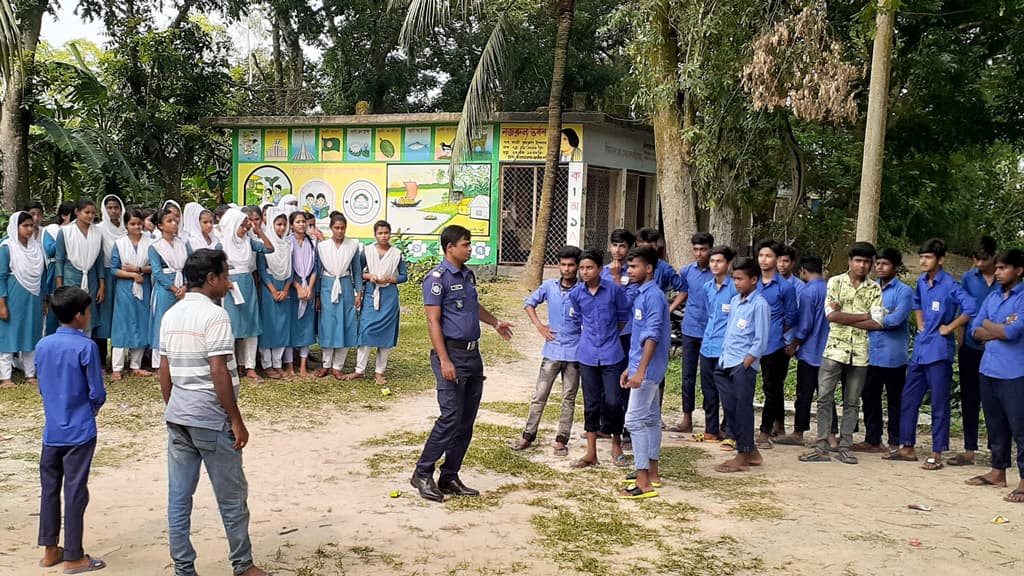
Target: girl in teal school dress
{"points": [[22, 271], [131, 269]]}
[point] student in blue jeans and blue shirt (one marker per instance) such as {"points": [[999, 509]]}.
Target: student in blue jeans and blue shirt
{"points": [[940, 307], [978, 282], [600, 308], [71, 384], [692, 279], [561, 338], [717, 296], [746, 339], [648, 361], [1000, 326]]}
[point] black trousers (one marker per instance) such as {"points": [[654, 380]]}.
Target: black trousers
{"points": [[67, 465], [970, 396], [459, 401], [691, 360], [774, 368], [806, 389], [891, 380], [712, 398], [602, 397], [101, 343]]}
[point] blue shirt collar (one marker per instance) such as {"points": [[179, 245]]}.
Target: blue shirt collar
{"points": [[649, 285], [451, 267], [940, 278], [66, 330]]}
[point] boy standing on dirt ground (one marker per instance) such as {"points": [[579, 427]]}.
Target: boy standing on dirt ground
{"points": [[71, 384], [199, 383], [1000, 325], [648, 361], [717, 294], [940, 307], [620, 242], [781, 298], [853, 305], [746, 338], [561, 337]]}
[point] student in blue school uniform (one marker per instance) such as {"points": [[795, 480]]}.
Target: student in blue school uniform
{"points": [[665, 277], [132, 292], [242, 301], [80, 256], [22, 272], [302, 326], [111, 228], [692, 279], [620, 242], [717, 293], [1000, 326], [275, 274], [887, 356], [940, 307], [65, 213], [600, 308], [781, 297], [788, 269], [808, 346], [341, 295], [167, 256], [561, 340], [978, 282], [647, 364], [378, 318], [71, 384], [746, 339]]}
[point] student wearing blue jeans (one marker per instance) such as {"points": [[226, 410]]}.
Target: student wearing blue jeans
{"points": [[598, 307], [1000, 326], [199, 383], [746, 339], [648, 361]]}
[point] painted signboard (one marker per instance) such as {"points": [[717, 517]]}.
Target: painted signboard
{"points": [[529, 142]]}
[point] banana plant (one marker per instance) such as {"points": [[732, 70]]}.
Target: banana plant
{"points": [[10, 44]]}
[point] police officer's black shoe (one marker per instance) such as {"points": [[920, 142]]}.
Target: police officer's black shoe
{"points": [[455, 487], [427, 488]]}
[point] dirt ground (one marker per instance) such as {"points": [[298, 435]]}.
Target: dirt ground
{"points": [[321, 505]]}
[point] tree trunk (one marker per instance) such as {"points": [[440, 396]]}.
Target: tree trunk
{"points": [[797, 172], [726, 223], [674, 153], [874, 132], [533, 272], [296, 63], [278, 60], [14, 121]]}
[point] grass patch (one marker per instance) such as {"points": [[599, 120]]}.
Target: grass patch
{"points": [[329, 560], [876, 538], [582, 536], [552, 410], [751, 510], [490, 498], [491, 451], [679, 463], [706, 557]]}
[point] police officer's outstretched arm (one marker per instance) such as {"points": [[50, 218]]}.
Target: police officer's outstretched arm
{"points": [[503, 327], [437, 341]]}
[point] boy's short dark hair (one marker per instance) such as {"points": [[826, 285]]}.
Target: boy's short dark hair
{"points": [[775, 247], [748, 266], [646, 253], [861, 250], [573, 252], [202, 263], [725, 251], [649, 235], [622, 236], [1013, 258], [702, 239], [68, 302], [894, 256], [789, 251], [811, 264], [934, 246], [984, 247], [221, 211], [596, 256], [453, 235]]}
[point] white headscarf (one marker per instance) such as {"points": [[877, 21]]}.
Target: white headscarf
{"points": [[28, 263], [288, 203], [82, 251], [140, 257], [172, 203], [279, 262], [337, 261], [108, 230], [239, 250], [386, 265], [174, 255]]}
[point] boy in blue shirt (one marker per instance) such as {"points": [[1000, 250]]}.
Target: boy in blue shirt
{"points": [[978, 282], [692, 279], [599, 308], [788, 269], [648, 361], [781, 298], [71, 384], [940, 307], [1000, 326], [746, 339], [561, 337], [717, 294]]}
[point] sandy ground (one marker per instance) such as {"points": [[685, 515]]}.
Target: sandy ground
{"points": [[310, 491]]}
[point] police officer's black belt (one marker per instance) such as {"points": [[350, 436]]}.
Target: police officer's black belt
{"points": [[462, 344]]}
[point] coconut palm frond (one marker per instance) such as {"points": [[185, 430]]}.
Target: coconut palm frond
{"points": [[422, 16], [10, 44], [479, 103]]}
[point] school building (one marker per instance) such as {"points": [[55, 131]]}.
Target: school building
{"points": [[396, 167]]}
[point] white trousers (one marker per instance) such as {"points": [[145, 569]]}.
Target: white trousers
{"points": [[25, 361], [117, 359], [334, 358], [245, 352], [363, 357], [271, 357]]}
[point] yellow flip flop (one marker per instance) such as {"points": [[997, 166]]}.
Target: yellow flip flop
{"points": [[727, 445], [635, 493]]}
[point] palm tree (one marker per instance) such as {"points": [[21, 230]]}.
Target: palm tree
{"points": [[422, 16], [10, 44]]}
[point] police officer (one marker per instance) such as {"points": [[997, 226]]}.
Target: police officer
{"points": [[453, 321]]}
